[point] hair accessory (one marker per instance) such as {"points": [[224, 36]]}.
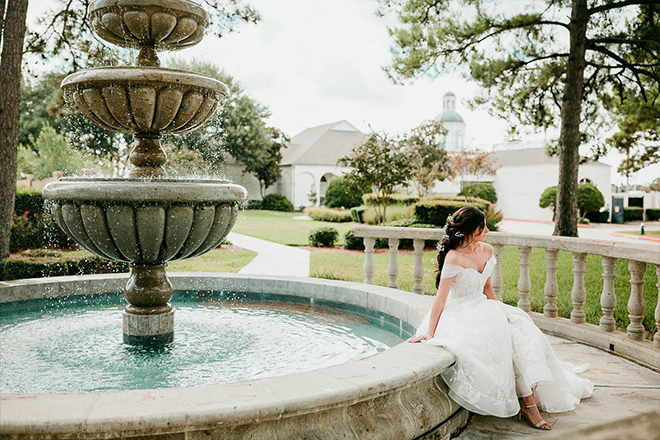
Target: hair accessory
{"points": [[450, 218], [440, 246], [458, 234]]}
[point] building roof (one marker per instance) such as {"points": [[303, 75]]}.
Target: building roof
{"points": [[529, 156], [322, 145], [449, 116]]}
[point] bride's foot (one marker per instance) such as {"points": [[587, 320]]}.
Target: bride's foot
{"points": [[531, 413]]}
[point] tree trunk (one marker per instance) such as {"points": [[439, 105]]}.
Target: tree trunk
{"points": [[13, 34], [569, 139]]}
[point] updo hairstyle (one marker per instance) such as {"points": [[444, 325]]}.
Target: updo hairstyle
{"points": [[459, 228]]}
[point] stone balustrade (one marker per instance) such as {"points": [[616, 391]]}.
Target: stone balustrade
{"points": [[630, 344]]}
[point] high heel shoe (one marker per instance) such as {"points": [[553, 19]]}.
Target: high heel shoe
{"points": [[521, 414]]}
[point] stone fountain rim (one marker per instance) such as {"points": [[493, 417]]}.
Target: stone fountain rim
{"points": [[144, 190], [180, 5], [139, 75], [409, 370]]}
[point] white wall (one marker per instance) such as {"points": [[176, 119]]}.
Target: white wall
{"points": [[303, 178]]}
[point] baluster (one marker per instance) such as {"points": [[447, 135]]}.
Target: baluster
{"points": [[656, 338], [608, 297], [393, 269], [550, 289], [418, 270], [369, 266], [496, 280], [524, 283], [636, 303], [579, 293]]}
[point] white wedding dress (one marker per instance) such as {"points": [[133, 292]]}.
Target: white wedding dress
{"points": [[500, 353]]}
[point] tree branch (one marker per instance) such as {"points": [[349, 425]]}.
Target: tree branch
{"points": [[621, 4]]}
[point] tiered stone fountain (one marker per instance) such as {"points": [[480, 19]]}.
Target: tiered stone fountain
{"points": [[147, 219]]}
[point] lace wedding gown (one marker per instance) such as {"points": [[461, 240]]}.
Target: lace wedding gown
{"points": [[500, 353]]}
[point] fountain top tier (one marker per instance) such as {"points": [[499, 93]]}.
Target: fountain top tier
{"points": [[149, 25]]}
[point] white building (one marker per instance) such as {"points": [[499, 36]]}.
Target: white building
{"points": [[453, 123], [309, 162]]}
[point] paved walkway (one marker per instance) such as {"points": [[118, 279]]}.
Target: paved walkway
{"points": [[273, 258], [622, 389]]}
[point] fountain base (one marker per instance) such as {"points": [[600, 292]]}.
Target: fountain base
{"points": [[148, 330]]}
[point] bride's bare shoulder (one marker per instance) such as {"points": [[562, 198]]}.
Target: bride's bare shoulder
{"points": [[487, 249], [452, 257]]}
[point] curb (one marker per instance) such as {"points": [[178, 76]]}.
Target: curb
{"points": [[639, 237]]}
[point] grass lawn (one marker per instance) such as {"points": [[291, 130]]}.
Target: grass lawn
{"points": [[637, 232], [280, 227], [217, 260]]}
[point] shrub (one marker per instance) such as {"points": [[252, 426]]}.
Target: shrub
{"points": [[395, 212], [28, 199], [633, 213], [590, 199], [328, 276], [435, 212], [357, 213], [584, 221], [38, 263], [481, 190], [31, 230], [252, 204], [352, 242], [328, 215], [652, 214], [323, 237], [493, 218], [276, 202], [392, 199], [340, 194]]}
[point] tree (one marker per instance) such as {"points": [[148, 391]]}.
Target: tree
{"points": [[13, 14], [49, 152], [379, 162], [475, 164], [424, 146], [66, 32], [538, 65], [590, 199], [340, 194], [238, 128]]}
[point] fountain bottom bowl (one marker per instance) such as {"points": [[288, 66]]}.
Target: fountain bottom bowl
{"points": [[395, 394]]}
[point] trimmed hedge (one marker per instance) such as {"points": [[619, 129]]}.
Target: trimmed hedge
{"points": [[41, 263], [28, 199], [328, 214], [633, 213], [352, 242], [435, 212], [358, 213], [652, 214], [393, 199]]}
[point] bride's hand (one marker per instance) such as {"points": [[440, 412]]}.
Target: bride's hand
{"points": [[420, 338]]}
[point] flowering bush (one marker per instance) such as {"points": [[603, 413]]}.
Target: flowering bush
{"points": [[30, 230]]}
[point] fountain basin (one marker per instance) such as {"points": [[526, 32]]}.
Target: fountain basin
{"points": [[145, 222], [396, 394], [144, 100], [165, 25]]}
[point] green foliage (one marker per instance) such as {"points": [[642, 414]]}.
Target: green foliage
{"points": [[28, 199], [323, 237], [328, 215], [352, 242], [184, 162], [36, 230], [381, 163], [49, 152], [237, 128], [424, 146], [472, 164], [38, 263], [590, 198], [632, 214], [652, 214], [340, 194], [370, 199], [482, 190], [276, 202], [394, 212], [493, 218], [328, 276], [435, 212]]}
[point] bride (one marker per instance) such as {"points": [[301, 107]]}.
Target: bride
{"points": [[504, 364]]}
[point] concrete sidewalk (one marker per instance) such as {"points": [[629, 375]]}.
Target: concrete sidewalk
{"points": [[597, 231], [272, 258], [622, 389]]}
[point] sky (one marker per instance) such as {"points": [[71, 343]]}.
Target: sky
{"points": [[313, 62]]}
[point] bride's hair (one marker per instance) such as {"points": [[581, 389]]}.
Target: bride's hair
{"points": [[459, 228]]}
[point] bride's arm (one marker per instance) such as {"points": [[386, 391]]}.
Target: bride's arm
{"points": [[488, 290], [436, 310]]}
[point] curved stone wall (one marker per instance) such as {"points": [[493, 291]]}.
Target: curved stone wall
{"points": [[396, 394]]}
